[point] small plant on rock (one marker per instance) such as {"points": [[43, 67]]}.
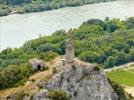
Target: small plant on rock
{"points": [[96, 68], [54, 70], [73, 67], [58, 95], [89, 77]]}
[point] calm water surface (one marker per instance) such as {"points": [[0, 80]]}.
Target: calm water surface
{"points": [[16, 29]]}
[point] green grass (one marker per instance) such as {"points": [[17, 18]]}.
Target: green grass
{"points": [[123, 77], [131, 69]]}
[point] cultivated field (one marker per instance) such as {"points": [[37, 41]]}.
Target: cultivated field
{"points": [[125, 77]]}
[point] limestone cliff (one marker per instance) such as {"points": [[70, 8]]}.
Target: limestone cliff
{"points": [[82, 81]]}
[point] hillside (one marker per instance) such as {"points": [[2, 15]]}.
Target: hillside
{"points": [[83, 79], [105, 43], [26, 6], [31, 86]]}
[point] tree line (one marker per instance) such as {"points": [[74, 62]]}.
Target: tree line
{"points": [[26, 6]]}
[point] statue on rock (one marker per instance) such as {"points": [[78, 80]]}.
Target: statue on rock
{"points": [[69, 50]]}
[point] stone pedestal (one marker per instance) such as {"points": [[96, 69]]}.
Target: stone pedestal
{"points": [[69, 50]]}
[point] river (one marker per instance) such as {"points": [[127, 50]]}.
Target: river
{"points": [[16, 29]]}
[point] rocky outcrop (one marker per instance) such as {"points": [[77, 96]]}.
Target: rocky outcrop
{"points": [[81, 80]]}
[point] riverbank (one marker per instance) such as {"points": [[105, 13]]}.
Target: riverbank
{"points": [[9, 7]]}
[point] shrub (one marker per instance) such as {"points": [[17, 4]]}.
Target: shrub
{"points": [[58, 95], [46, 47], [89, 77], [54, 70], [130, 22], [4, 10], [111, 27], [48, 55], [14, 75], [73, 67], [9, 76], [96, 68]]}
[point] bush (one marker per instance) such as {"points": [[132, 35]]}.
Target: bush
{"points": [[48, 55], [96, 22], [130, 22], [96, 68], [14, 75], [54, 70], [73, 67], [111, 27], [58, 95], [9, 76], [4, 10], [46, 47]]}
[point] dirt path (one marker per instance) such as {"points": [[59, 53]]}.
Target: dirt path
{"points": [[130, 90]]}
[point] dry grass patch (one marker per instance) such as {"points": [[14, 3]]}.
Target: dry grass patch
{"points": [[130, 90]]}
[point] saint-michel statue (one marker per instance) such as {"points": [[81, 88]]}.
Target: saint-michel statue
{"points": [[69, 50]]}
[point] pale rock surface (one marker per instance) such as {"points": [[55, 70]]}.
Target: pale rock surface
{"points": [[81, 82]]}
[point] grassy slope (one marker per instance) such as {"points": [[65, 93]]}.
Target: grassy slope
{"points": [[123, 77]]}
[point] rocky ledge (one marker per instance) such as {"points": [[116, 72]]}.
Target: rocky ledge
{"points": [[82, 81]]}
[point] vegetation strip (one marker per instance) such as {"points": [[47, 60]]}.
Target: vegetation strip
{"points": [[26, 6]]}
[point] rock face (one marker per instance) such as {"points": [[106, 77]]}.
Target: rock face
{"points": [[81, 81]]}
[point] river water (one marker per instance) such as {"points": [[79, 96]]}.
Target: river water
{"points": [[16, 29]]}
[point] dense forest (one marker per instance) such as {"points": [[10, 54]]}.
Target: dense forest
{"points": [[26, 6], [109, 43]]}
